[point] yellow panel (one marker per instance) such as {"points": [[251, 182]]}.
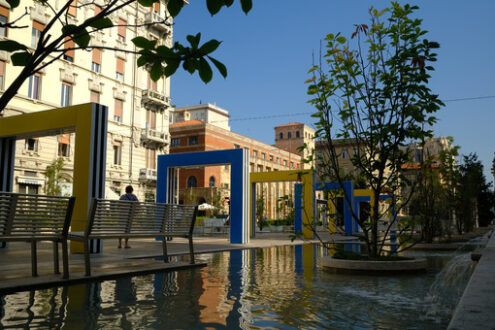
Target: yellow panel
{"points": [[78, 118]]}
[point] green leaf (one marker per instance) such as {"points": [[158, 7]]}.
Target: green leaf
{"points": [[102, 23], [174, 7], [20, 58], [146, 3], [190, 65], [246, 5], [82, 39], [171, 67], [194, 40], [221, 68], [141, 61], [205, 72], [228, 3], [209, 47], [11, 45], [341, 40], [13, 3], [156, 71], [214, 6], [141, 42], [69, 29]]}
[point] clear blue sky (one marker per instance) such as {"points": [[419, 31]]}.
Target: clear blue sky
{"points": [[269, 51]]}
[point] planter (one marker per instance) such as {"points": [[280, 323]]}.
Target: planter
{"points": [[373, 266], [276, 229]]}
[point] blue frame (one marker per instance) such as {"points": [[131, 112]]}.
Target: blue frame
{"points": [[239, 183]]}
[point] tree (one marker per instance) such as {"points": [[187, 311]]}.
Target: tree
{"points": [[475, 199], [377, 97], [54, 176], [62, 35]]}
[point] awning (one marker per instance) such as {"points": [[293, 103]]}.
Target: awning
{"points": [[30, 180]]}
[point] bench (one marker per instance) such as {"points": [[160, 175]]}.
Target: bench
{"points": [[126, 219], [33, 218]]}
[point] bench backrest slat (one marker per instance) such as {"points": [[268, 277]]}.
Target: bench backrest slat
{"points": [[129, 217], [26, 214]]}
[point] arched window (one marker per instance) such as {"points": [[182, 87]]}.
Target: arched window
{"points": [[297, 134], [212, 181], [281, 136], [289, 135], [192, 182]]}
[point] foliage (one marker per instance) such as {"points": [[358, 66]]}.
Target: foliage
{"points": [[54, 176], [377, 98], [349, 255], [63, 34], [285, 206], [260, 212], [475, 198]]}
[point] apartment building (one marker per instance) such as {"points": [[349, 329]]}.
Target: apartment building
{"points": [[197, 185], [293, 136], [138, 107]]}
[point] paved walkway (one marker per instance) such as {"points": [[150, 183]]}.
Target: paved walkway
{"points": [[15, 261]]}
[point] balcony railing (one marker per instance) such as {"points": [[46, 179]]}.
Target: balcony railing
{"points": [[154, 100], [157, 21], [149, 135], [147, 174]]}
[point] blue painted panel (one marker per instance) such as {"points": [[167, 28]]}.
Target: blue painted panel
{"points": [[298, 208]]}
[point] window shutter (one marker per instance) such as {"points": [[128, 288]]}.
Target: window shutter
{"points": [[38, 26], [95, 97], [2, 68], [97, 10], [122, 27], [120, 65], [72, 9], [118, 108], [64, 138], [69, 44], [97, 56], [4, 11]]}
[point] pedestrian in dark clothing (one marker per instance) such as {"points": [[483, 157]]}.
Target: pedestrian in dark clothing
{"points": [[128, 196]]}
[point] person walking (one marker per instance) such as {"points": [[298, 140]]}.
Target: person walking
{"points": [[128, 196]]}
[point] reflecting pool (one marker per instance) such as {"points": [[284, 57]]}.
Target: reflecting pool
{"points": [[261, 288]]}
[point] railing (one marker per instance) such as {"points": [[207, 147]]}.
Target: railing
{"points": [[147, 174], [153, 135], [154, 100], [157, 21]]}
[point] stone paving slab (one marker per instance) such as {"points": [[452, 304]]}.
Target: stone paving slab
{"points": [[475, 309]]}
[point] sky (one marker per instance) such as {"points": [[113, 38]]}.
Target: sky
{"points": [[269, 52]]}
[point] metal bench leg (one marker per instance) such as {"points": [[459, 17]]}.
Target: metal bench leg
{"points": [[191, 250], [65, 259], [87, 266], [34, 261], [55, 258], [164, 246]]}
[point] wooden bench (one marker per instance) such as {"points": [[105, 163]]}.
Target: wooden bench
{"points": [[34, 218], [126, 219]]}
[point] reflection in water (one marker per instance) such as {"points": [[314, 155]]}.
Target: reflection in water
{"points": [[263, 288]]}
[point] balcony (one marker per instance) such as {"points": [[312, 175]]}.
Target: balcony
{"points": [[156, 21], [153, 136], [154, 100], [147, 175]]}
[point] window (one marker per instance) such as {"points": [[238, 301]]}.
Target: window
{"points": [[212, 182], [297, 134], [64, 145], [4, 18], [255, 153], [356, 151], [192, 182], [291, 164], [285, 162], [94, 97], [31, 144], [175, 142], [120, 69], [263, 155], [34, 86], [121, 30], [66, 98], [96, 63], [193, 140], [117, 112], [156, 7], [281, 136], [117, 153], [72, 8], [150, 158], [36, 33], [2, 74], [271, 158], [289, 135], [344, 154], [152, 84], [150, 119], [236, 146], [278, 160], [69, 49], [28, 189]]}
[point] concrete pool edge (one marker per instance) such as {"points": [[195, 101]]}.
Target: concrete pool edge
{"points": [[475, 309]]}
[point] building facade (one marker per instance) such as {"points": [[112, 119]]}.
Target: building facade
{"points": [[292, 137], [198, 185], [138, 107]]}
